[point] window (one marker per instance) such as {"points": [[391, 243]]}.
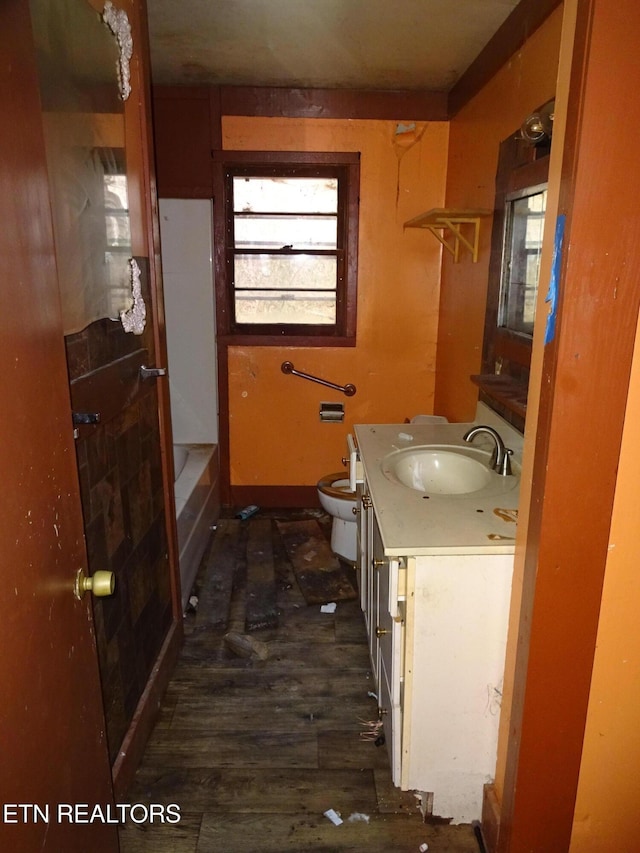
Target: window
{"points": [[524, 227], [288, 263]]}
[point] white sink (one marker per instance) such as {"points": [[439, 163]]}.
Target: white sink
{"points": [[439, 470]]}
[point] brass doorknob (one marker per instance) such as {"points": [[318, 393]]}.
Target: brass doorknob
{"points": [[380, 632], [100, 584]]}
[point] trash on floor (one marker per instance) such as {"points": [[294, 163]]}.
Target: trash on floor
{"points": [[320, 576], [328, 608], [192, 605], [358, 817], [245, 646], [247, 512], [333, 816], [372, 729]]}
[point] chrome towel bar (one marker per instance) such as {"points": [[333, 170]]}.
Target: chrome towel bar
{"points": [[347, 390]]}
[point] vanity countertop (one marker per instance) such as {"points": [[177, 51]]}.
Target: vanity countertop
{"points": [[413, 523]]}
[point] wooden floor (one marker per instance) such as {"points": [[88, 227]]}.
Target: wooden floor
{"points": [[255, 751]]}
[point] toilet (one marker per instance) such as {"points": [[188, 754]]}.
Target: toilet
{"points": [[337, 499]]}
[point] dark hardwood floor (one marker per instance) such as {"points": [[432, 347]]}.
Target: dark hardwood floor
{"points": [[254, 751]]}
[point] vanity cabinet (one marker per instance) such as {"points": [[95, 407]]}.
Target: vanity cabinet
{"points": [[436, 621]]}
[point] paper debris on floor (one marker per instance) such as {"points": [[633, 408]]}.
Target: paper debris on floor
{"points": [[333, 816], [357, 817]]}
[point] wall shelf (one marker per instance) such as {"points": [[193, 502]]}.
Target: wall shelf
{"points": [[438, 220]]}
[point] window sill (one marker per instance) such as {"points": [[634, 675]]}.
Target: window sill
{"points": [[287, 340], [506, 390]]}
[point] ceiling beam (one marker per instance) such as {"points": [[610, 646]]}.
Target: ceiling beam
{"points": [[333, 103]]}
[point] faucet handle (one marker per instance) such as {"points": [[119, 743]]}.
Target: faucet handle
{"points": [[504, 469]]}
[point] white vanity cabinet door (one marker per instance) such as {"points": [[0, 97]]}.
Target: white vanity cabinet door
{"points": [[457, 617], [377, 559], [390, 626], [369, 596], [390, 632], [363, 518], [390, 713]]}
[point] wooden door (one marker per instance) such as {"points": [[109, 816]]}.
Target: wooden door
{"points": [[51, 720], [100, 184]]}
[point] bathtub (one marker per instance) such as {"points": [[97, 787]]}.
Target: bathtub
{"points": [[197, 496]]}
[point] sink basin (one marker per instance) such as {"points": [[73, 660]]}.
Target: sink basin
{"points": [[439, 470]]}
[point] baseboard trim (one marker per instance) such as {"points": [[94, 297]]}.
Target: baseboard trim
{"points": [[134, 743], [490, 818], [305, 497]]}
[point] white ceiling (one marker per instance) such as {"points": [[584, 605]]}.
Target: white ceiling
{"points": [[353, 44]]}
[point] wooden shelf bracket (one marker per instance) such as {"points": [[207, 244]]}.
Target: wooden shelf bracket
{"points": [[441, 220]]}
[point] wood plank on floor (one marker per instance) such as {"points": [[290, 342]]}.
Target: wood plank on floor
{"points": [[258, 748], [261, 603], [257, 790], [285, 711], [214, 593], [180, 837], [313, 832], [283, 655], [251, 682], [348, 749]]}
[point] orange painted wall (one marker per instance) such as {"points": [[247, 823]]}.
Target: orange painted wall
{"points": [[525, 82], [606, 815], [276, 437]]}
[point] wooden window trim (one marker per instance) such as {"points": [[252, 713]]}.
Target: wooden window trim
{"points": [[344, 332]]}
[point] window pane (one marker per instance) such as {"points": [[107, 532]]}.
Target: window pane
{"points": [[285, 195], [285, 307], [286, 272], [523, 246], [275, 232]]}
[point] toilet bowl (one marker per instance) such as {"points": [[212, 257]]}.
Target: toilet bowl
{"points": [[337, 499]]}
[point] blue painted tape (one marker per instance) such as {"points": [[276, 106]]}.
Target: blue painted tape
{"points": [[554, 281]]}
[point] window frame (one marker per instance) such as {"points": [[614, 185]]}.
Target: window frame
{"points": [[343, 165], [506, 289]]}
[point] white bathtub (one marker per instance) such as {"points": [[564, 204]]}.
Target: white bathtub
{"points": [[197, 506]]}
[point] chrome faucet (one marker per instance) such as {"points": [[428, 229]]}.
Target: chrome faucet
{"points": [[500, 460]]}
